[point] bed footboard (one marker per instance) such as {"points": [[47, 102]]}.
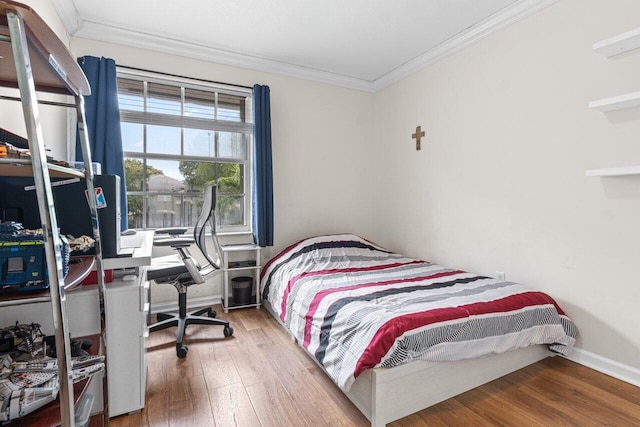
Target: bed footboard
{"points": [[385, 395]]}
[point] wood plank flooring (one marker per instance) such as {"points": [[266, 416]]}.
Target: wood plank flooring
{"points": [[260, 377]]}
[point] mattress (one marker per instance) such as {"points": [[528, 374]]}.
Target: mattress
{"points": [[354, 305]]}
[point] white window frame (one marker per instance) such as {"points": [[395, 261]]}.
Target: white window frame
{"points": [[179, 121]]}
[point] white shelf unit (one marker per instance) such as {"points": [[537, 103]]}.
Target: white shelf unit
{"points": [[618, 44], [610, 47], [619, 102], [619, 171], [248, 258]]}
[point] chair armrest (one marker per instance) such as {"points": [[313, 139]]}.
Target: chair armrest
{"points": [[174, 243], [172, 231]]}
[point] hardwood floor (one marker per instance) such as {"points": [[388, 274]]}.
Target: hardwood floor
{"points": [[260, 377]]}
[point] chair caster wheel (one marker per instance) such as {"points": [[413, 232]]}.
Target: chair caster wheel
{"points": [[212, 313], [182, 351], [228, 331]]}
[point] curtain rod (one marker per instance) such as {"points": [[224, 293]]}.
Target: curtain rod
{"points": [[57, 104], [182, 77]]}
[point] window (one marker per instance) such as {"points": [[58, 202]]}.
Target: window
{"points": [[179, 136]]}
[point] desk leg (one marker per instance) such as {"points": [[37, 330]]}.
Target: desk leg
{"points": [[225, 284], [256, 275]]}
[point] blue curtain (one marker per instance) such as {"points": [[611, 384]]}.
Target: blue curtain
{"points": [[262, 171], [103, 122]]}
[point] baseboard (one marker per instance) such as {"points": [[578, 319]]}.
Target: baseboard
{"points": [[191, 304], [607, 366]]}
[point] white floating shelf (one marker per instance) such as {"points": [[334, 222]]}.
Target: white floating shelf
{"points": [[618, 44], [621, 171], [627, 100]]}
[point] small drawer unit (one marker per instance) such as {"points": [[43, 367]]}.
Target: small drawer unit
{"points": [[241, 276]]}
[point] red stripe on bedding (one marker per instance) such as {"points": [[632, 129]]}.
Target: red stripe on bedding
{"points": [[510, 303], [313, 306], [294, 280], [388, 333]]}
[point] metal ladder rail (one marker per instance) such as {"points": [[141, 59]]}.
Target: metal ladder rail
{"points": [[46, 208], [53, 244], [93, 209]]}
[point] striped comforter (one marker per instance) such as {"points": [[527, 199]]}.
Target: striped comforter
{"points": [[354, 305]]}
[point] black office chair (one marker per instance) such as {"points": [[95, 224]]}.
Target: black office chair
{"points": [[182, 270]]}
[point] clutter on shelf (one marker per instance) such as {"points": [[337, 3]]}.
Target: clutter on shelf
{"points": [[29, 369]]}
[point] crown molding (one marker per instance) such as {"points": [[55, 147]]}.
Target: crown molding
{"points": [[502, 19], [127, 37], [123, 36], [68, 13]]}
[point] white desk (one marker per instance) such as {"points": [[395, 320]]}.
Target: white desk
{"points": [[142, 242], [126, 308]]}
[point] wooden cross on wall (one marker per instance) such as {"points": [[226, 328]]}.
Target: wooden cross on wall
{"points": [[419, 134]]}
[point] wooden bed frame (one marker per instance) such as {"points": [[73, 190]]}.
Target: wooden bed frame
{"points": [[384, 395]]}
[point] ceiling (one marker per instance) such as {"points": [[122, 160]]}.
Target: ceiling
{"points": [[360, 44]]}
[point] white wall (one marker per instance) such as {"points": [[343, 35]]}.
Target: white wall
{"points": [[53, 119], [46, 10], [322, 153], [499, 183]]}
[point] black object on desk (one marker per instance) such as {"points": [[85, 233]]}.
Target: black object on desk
{"points": [[72, 207]]}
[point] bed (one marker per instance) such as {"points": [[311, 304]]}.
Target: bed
{"points": [[398, 334]]}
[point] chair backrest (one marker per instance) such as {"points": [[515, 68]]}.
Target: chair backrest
{"points": [[208, 216]]}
